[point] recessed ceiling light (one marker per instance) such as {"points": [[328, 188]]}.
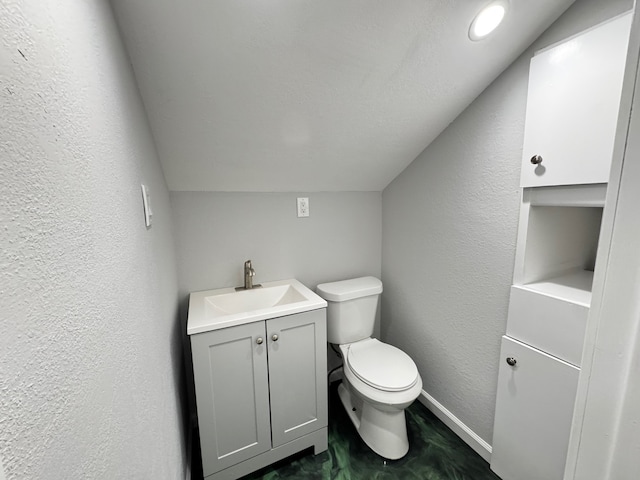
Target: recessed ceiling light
{"points": [[487, 20]]}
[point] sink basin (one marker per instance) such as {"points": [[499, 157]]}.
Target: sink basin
{"points": [[250, 300], [226, 307]]}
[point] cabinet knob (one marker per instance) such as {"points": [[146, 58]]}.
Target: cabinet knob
{"points": [[259, 340], [536, 160], [274, 337], [511, 361]]}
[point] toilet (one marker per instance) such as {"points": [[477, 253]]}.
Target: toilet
{"points": [[379, 380]]}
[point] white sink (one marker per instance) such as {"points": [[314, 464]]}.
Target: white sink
{"points": [[226, 307]]}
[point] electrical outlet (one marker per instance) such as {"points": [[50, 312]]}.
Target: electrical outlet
{"points": [[303, 206]]}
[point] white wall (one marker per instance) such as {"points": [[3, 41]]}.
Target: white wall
{"points": [[90, 349], [449, 232]]}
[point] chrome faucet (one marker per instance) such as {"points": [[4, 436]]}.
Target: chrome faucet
{"points": [[249, 273]]}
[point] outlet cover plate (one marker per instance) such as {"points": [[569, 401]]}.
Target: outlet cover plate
{"points": [[303, 206]]}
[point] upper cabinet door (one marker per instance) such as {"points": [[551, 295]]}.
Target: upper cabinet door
{"points": [[297, 375], [572, 107]]}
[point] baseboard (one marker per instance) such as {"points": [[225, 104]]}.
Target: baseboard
{"points": [[472, 439]]}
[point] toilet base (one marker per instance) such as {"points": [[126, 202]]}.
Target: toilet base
{"points": [[385, 432]]}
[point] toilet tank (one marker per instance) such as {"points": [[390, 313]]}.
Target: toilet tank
{"points": [[351, 309]]}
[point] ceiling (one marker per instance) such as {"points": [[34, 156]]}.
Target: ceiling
{"points": [[303, 95]]}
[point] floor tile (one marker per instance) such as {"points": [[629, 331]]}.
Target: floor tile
{"points": [[435, 453]]}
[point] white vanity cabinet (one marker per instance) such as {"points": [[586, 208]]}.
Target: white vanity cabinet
{"points": [[261, 392], [572, 107]]}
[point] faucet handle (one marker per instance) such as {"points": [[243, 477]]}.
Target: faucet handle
{"points": [[248, 269]]}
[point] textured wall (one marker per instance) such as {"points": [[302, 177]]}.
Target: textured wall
{"points": [[449, 232], [89, 347], [217, 232]]}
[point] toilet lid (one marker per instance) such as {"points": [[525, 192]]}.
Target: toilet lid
{"points": [[382, 366]]}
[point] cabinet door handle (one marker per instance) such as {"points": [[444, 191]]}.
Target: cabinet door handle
{"points": [[536, 160], [274, 337], [511, 361], [259, 340]]}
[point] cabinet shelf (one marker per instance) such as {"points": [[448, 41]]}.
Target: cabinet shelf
{"points": [[573, 286], [560, 244]]}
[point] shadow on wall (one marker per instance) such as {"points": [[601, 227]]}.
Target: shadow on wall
{"points": [[181, 375], [189, 387]]}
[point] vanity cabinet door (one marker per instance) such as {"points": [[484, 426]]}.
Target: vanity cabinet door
{"points": [[534, 408], [572, 107], [297, 374], [232, 394]]}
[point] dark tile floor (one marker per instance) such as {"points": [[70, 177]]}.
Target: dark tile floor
{"points": [[435, 453]]}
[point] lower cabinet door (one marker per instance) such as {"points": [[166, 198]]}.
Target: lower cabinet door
{"points": [[534, 409], [232, 394], [297, 374]]}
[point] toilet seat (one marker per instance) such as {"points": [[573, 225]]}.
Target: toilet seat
{"points": [[382, 366]]}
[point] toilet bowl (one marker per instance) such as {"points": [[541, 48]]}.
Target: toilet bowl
{"points": [[382, 392], [379, 380]]}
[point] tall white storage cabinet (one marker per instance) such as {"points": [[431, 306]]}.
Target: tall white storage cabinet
{"points": [[572, 108]]}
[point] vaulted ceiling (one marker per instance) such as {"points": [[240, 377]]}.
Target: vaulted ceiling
{"points": [[310, 95]]}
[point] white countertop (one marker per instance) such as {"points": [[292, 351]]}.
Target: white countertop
{"points": [[225, 307]]}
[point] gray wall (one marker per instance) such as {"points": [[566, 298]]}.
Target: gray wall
{"points": [[89, 345], [449, 233], [217, 232]]}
